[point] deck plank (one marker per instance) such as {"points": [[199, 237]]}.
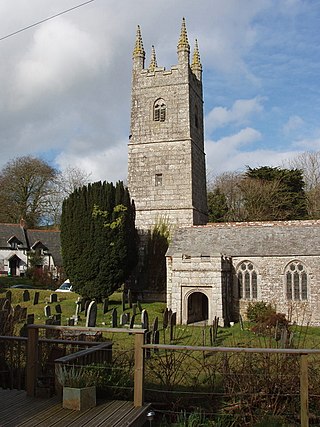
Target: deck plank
{"points": [[19, 410]]}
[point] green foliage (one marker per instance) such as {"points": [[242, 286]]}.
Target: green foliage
{"points": [[98, 238], [289, 196], [217, 206], [259, 310]]}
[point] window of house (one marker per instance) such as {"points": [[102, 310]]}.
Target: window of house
{"points": [[159, 111], [158, 179], [247, 281], [296, 282]]}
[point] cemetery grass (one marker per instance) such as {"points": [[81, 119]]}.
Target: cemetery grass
{"points": [[303, 337]]}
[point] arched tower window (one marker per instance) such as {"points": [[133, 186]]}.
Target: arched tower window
{"points": [[296, 282], [159, 110], [247, 281]]}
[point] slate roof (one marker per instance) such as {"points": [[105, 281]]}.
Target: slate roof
{"points": [[50, 239], [244, 239]]}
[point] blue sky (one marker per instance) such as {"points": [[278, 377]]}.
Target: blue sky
{"points": [[65, 84]]}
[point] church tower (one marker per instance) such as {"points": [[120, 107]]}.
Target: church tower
{"points": [[166, 163]]}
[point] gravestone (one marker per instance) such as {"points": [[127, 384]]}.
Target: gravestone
{"points": [[131, 326], [58, 309], [53, 298], [78, 308], [71, 321], [26, 295], [165, 318], [30, 319], [155, 325], [139, 306], [47, 310], [23, 314], [105, 305], [92, 314], [114, 318], [173, 322], [144, 319], [134, 309], [86, 306], [130, 298], [123, 319], [36, 298], [56, 319], [156, 339], [123, 300], [9, 295]]}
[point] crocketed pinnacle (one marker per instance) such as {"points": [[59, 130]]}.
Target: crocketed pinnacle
{"points": [[196, 63], [138, 48], [153, 61], [183, 43]]}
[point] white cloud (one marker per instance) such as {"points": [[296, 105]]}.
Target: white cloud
{"points": [[240, 113], [293, 123]]}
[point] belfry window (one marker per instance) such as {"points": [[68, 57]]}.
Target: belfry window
{"points": [[159, 111], [158, 179], [296, 282], [247, 281]]}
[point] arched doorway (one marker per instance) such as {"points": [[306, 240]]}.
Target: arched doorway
{"points": [[197, 307]]}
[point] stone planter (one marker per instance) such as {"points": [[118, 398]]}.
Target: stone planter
{"points": [[79, 399]]}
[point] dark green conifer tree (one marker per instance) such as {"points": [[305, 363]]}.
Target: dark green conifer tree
{"points": [[98, 238]]}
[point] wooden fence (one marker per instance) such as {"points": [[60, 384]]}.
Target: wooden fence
{"points": [[139, 359]]}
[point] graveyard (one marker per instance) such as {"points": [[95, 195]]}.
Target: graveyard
{"points": [[139, 354]]}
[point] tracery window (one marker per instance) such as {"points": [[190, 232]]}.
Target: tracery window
{"points": [[247, 281], [296, 282], [159, 111]]}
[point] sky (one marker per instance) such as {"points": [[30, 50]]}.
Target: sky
{"points": [[65, 84]]}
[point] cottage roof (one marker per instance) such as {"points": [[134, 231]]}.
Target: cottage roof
{"points": [[32, 238], [244, 239]]}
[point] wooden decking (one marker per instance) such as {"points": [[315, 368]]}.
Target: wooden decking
{"points": [[19, 410]]}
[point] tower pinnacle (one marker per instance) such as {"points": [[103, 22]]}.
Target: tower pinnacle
{"points": [[196, 66], [153, 61], [139, 53], [183, 45]]}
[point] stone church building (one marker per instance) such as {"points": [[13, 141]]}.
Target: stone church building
{"points": [[212, 269]]}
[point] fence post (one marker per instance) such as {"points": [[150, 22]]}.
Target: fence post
{"points": [[138, 369], [304, 397], [32, 360]]}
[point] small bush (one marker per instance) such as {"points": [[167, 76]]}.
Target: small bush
{"points": [[257, 311]]}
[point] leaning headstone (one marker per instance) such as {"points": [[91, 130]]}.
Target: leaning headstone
{"points": [[23, 314], [53, 298], [114, 318], [26, 295], [165, 318], [130, 298], [92, 314], [58, 309], [70, 321], [9, 295], [144, 319], [36, 298], [47, 310], [105, 305]]}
